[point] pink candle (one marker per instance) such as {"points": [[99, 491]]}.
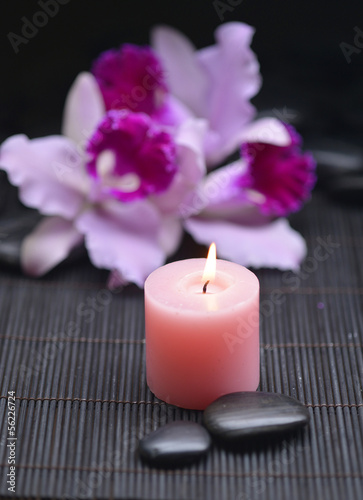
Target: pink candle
{"points": [[201, 345]]}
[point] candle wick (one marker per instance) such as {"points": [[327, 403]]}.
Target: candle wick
{"points": [[205, 286]]}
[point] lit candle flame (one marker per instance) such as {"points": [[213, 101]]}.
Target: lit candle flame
{"points": [[210, 266]]}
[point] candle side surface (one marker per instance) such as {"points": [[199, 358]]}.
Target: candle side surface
{"points": [[201, 346]]}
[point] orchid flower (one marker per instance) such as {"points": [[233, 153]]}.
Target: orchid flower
{"points": [[133, 78], [128, 174], [215, 83], [114, 179], [241, 207]]}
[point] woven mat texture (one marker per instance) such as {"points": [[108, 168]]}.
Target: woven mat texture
{"points": [[74, 354]]}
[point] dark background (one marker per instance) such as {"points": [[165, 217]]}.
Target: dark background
{"points": [[297, 44], [90, 400]]}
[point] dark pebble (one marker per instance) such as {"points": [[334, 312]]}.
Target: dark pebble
{"points": [[347, 189], [351, 106], [353, 117], [13, 230], [246, 414], [3, 189], [293, 116], [336, 159], [175, 444]]}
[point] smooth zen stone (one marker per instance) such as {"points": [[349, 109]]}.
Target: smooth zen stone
{"points": [[3, 189], [12, 232], [348, 189], [14, 229], [293, 116], [246, 414], [336, 159], [351, 106], [175, 444]]}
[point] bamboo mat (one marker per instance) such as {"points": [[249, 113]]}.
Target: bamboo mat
{"points": [[73, 353]]}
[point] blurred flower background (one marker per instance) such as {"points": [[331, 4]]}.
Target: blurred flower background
{"points": [[169, 129]]}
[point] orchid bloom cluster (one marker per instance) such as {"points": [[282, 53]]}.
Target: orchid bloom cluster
{"points": [[139, 161]]}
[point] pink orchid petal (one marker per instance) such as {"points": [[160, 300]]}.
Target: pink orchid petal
{"points": [[173, 113], [281, 175], [233, 71], [48, 171], [219, 187], [191, 166], [83, 109], [268, 131], [233, 43], [216, 82], [130, 77], [189, 137], [219, 197], [115, 281], [124, 237], [274, 245], [48, 245], [272, 179], [170, 235], [139, 147], [186, 79]]}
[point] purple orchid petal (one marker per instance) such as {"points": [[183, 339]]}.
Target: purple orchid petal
{"points": [[131, 157], [173, 113], [274, 245], [219, 196], [83, 109], [124, 237], [191, 166], [189, 140], [271, 180], [187, 80], [48, 171], [216, 82], [233, 47], [170, 234], [115, 281], [131, 78], [234, 77], [281, 174], [269, 131], [48, 245]]}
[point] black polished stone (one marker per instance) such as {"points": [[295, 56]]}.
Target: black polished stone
{"points": [[292, 116], [174, 445], [336, 159], [3, 189], [347, 189], [351, 106], [13, 230], [246, 414]]}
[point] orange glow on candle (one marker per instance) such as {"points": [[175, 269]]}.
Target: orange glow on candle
{"points": [[210, 266]]}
